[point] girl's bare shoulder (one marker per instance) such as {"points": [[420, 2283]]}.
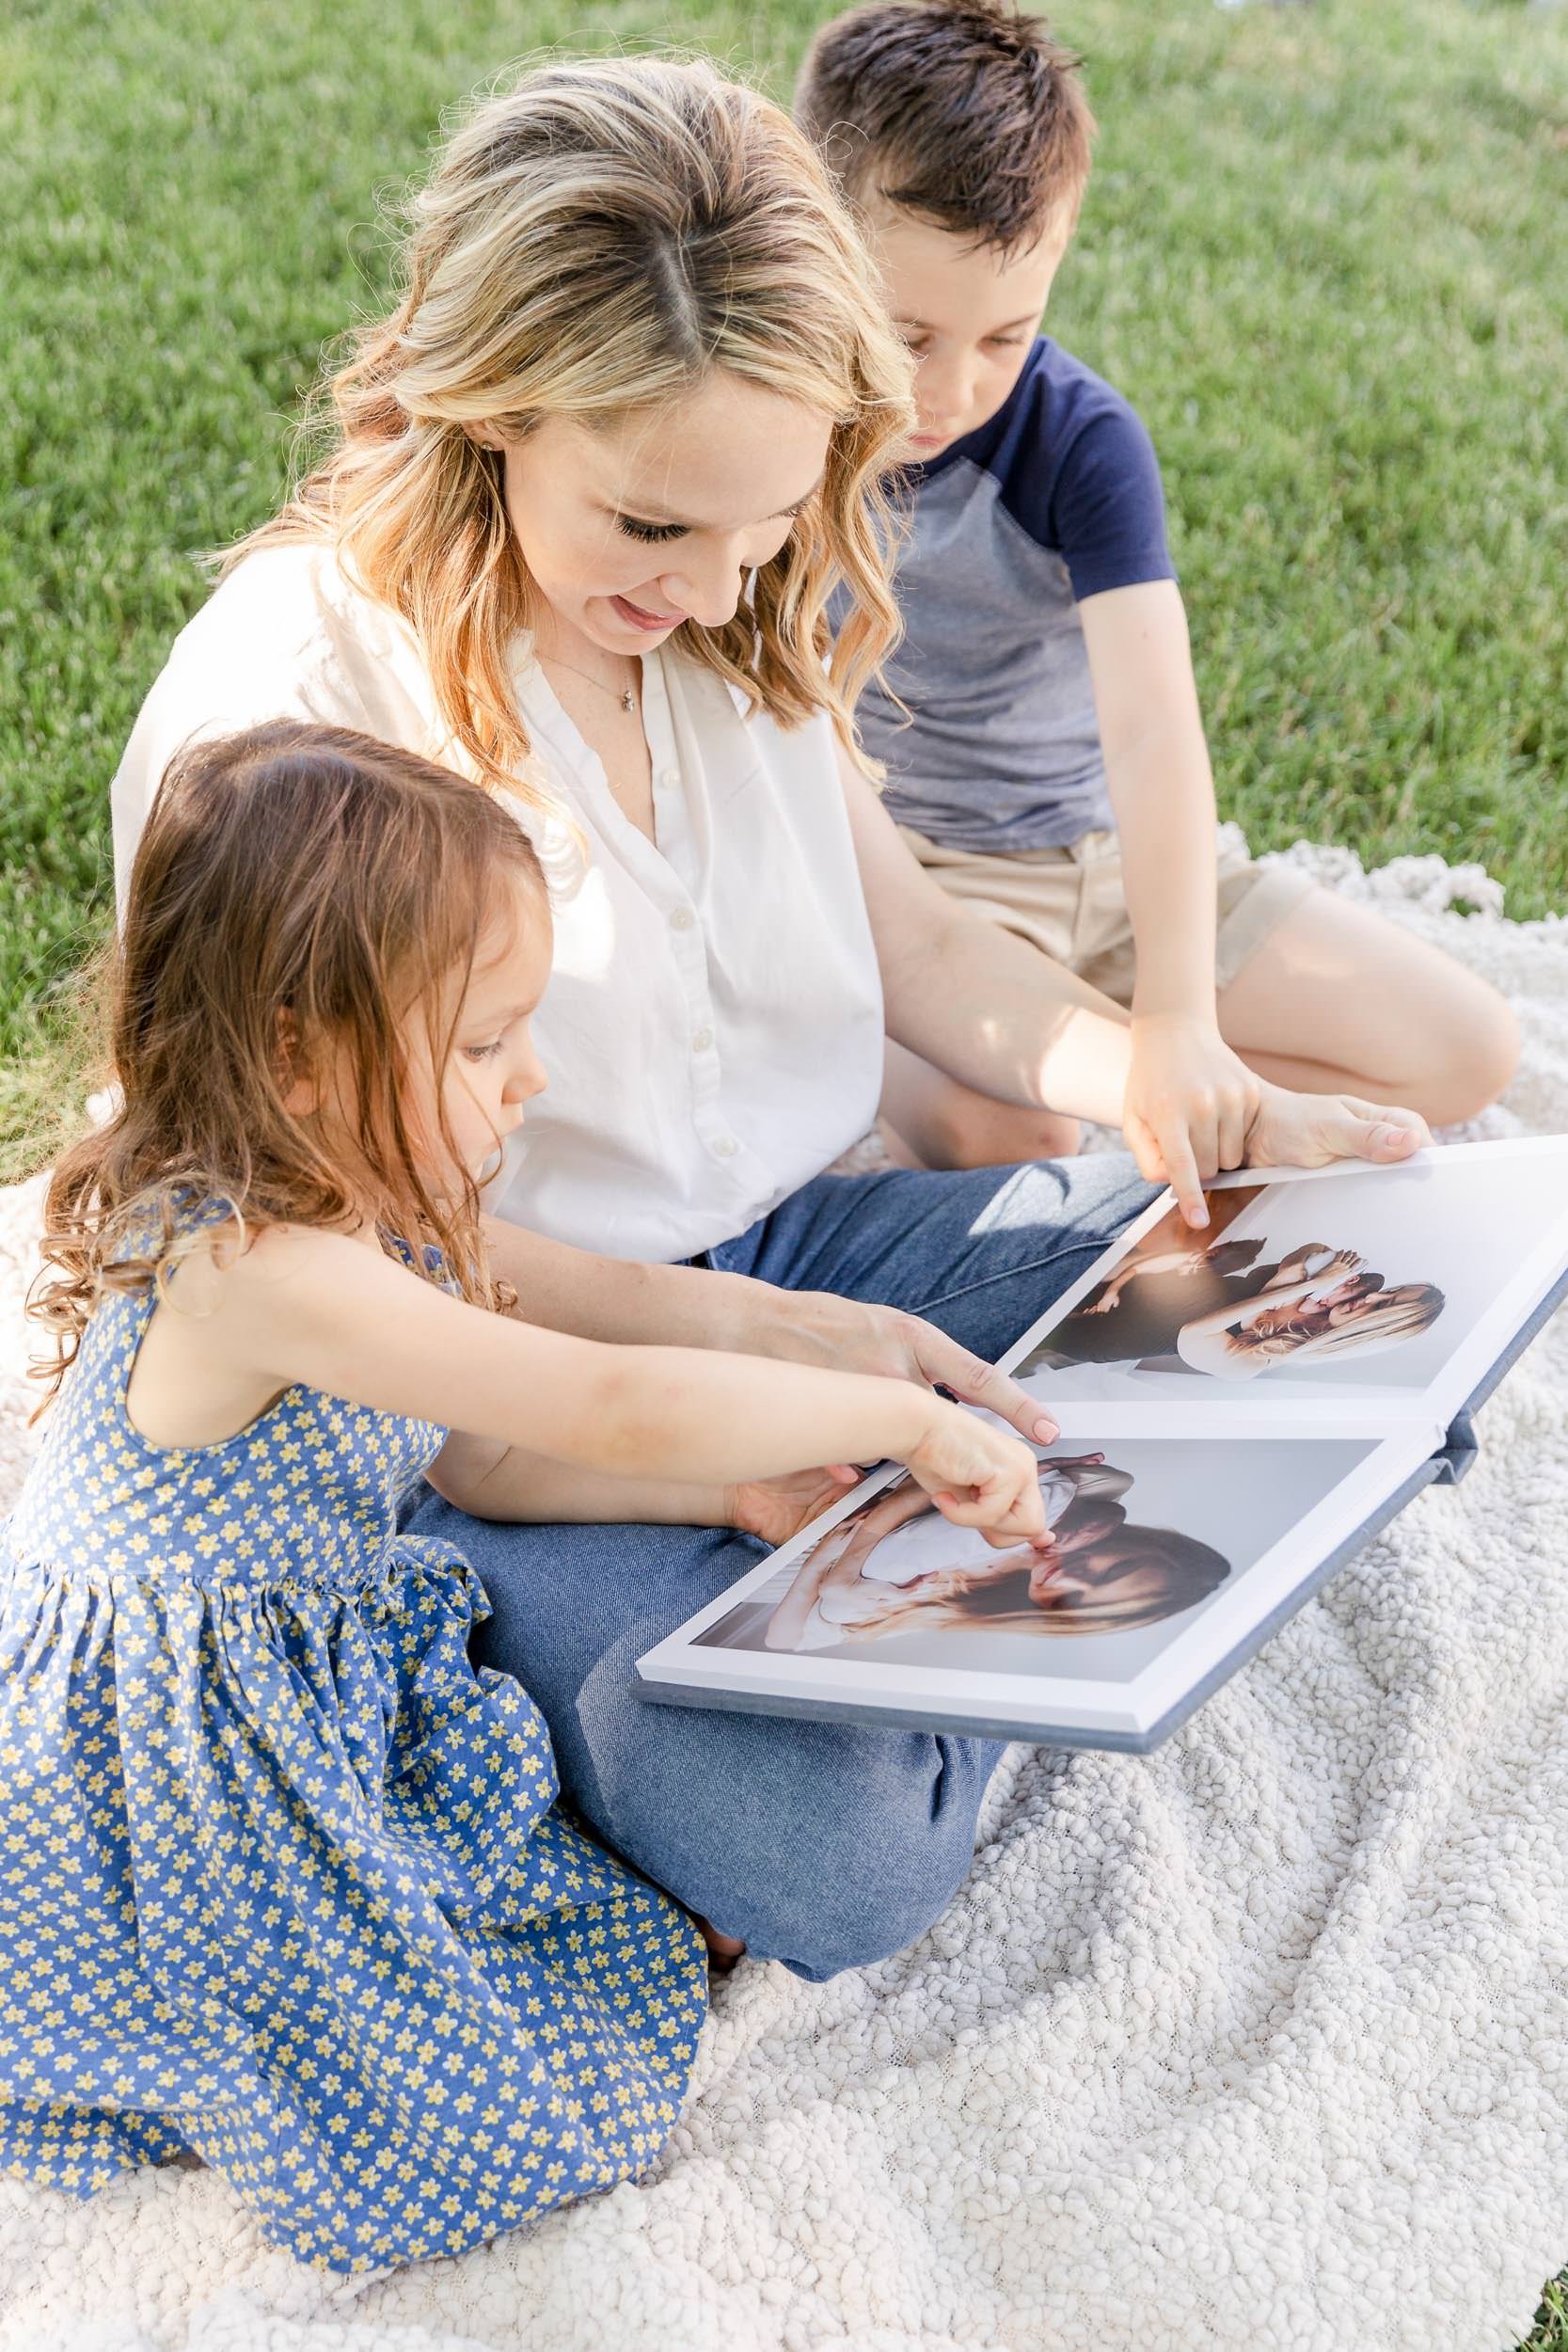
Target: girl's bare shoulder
{"points": [[232, 1262]]}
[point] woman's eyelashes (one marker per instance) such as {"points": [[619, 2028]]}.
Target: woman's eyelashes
{"points": [[655, 534]]}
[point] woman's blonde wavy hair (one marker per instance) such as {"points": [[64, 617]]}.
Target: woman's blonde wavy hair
{"points": [[1391, 1317], [593, 241]]}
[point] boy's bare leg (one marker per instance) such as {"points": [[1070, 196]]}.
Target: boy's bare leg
{"points": [[944, 1124], [1336, 1000], [1339, 1000]]}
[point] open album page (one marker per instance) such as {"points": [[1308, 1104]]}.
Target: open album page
{"points": [[1238, 1409]]}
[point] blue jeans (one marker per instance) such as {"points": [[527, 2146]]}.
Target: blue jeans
{"points": [[826, 1846]]}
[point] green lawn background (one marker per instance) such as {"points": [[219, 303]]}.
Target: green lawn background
{"points": [[1323, 251]]}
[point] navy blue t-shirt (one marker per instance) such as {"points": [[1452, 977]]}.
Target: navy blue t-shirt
{"points": [[1055, 498]]}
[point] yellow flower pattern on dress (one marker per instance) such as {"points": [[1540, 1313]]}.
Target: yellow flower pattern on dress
{"points": [[284, 1881]]}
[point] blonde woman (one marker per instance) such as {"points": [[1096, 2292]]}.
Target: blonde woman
{"points": [[1337, 1311], [586, 490], [1093, 1572]]}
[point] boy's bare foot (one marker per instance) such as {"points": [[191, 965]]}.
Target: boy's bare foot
{"points": [[722, 1951]]}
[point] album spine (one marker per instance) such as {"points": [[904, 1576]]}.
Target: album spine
{"points": [[1455, 1458], [1456, 1455]]}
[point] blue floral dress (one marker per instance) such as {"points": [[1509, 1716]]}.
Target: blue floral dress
{"points": [[282, 1882]]}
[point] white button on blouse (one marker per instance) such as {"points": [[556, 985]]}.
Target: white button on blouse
{"points": [[713, 1025]]}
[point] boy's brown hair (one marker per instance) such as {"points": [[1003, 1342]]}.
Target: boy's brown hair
{"points": [[962, 112]]}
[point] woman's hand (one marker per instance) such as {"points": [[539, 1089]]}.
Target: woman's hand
{"points": [[774, 1509], [1189, 1104], [979, 1477], [846, 1335]]}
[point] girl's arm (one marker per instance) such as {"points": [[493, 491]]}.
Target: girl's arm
{"points": [[1336, 1265], [902, 1502], [620, 1301], [336, 1314], [494, 1482]]}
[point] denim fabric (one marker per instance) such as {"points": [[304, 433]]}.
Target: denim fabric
{"points": [[825, 1846]]}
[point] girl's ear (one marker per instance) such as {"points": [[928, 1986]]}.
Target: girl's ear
{"points": [[485, 435], [300, 1088]]}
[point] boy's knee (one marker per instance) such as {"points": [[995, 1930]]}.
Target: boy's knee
{"points": [[1476, 1057], [1493, 1047]]}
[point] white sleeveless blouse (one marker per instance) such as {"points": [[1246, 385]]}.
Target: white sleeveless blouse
{"points": [[713, 1025]]}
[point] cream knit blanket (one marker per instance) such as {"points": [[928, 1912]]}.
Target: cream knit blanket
{"points": [[1256, 2044]]}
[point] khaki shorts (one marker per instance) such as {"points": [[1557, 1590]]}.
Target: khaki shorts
{"points": [[1071, 903]]}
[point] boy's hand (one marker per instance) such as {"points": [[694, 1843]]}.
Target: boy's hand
{"points": [[1179, 1115], [1189, 1105], [1309, 1130]]}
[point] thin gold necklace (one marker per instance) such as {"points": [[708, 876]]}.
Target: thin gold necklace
{"points": [[624, 694]]}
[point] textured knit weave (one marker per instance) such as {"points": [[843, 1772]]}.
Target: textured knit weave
{"points": [[1257, 2045]]}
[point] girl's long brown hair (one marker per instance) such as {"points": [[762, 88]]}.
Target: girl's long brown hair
{"points": [[299, 891], [596, 241]]}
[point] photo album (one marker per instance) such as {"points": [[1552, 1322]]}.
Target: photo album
{"points": [[1241, 1408]]}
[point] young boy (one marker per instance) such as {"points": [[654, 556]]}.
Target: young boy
{"points": [[1045, 677]]}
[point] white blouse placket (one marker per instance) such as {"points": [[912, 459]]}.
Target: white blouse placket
{"points": [[671, 871]]}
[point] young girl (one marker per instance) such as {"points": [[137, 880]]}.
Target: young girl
{"points": [[285, 1883]]}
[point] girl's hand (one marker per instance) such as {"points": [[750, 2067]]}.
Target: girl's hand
{"points": [[774, 1509], [979, 1477], [1189, 1104]]}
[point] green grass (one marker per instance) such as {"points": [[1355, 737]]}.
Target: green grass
{"points": [[1550, 2332], [1323, 252]]}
